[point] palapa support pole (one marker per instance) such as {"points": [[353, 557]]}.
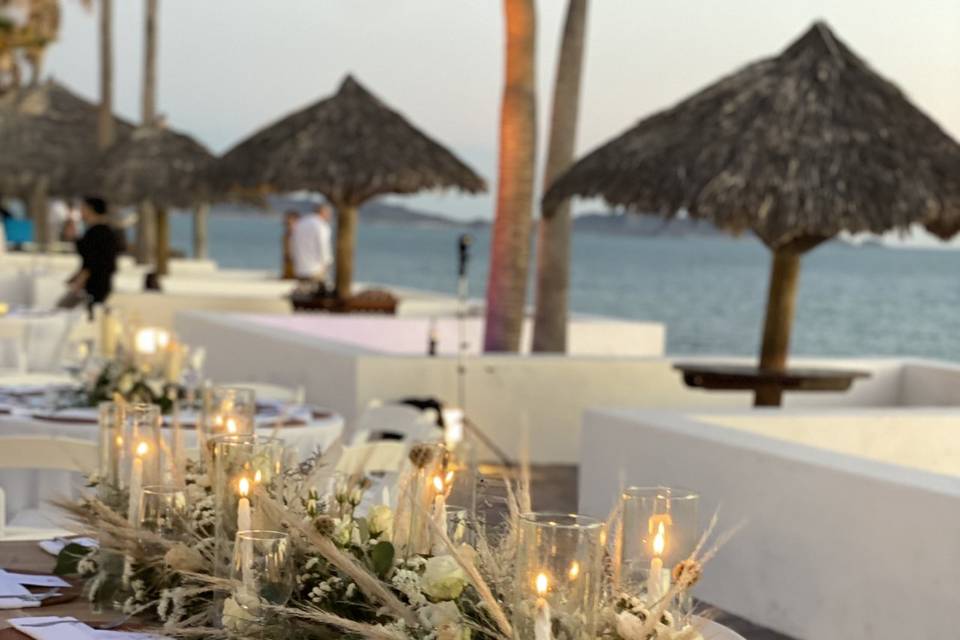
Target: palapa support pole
{"points": [[146, 233], [346, 242], [163, 241], [39, 211], [781, 300], [200, 213]]}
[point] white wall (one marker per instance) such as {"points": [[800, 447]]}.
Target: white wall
{"points": [[546, 393], [834, 547]]}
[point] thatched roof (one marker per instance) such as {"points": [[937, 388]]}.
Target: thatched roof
{"points": [[796, 147], [157, 165], [47, 130], [350, 147]]}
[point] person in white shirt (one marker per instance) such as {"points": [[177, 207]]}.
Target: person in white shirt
{"points": [[311, 246]]}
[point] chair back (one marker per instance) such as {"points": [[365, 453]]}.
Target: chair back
{"points": [[384, 456], [269, 392], [393, 422], [13, 345], [48, 452]]}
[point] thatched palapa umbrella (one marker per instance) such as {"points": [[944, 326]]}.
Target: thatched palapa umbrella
{"points": [[350, 147], [160, 168], [48, 135], [796, 148]]}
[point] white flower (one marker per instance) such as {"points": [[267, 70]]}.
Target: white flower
{"points": [[342, 531], [630, 627], [407, 582], [439, 614], [235, 617], [443, 578], [380, 520], [125, 384]]}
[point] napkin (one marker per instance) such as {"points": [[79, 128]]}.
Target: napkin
{"points": [[35, 580], [69, 628], [10, 587], [53, 628], [56, 545]]}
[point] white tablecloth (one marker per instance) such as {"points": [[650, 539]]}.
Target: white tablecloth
{"points": [[30, 489]]}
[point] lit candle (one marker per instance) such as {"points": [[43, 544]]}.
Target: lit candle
{"points": [[440, 503], [179, 455], [243, 507], [231, 424], [541, 621], [136, 482], [174, 366], [146, 341], [655, 589], [453, 427]]}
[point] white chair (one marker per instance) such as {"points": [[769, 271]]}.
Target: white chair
{"points": [[397, 421], [383, 456], [270, 392], [41, 453], [13, 346]]}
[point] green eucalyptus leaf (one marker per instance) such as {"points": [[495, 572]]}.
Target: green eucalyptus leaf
{"points": [[382, 555]]}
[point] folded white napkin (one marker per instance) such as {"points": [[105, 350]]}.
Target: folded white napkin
{"points": [[10, 587], [56, 545], [69, 628], [53, 628]]}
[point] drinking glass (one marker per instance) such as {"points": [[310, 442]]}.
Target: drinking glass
{"points": [[76, 357], [112, 450], [559, 569], [262, 570], [162, 511], [660, 528]]}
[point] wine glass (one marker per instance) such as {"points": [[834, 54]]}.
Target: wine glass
{"points": [[162, 509], [262, 571], [76, 357]]}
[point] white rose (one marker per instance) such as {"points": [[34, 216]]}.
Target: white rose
{"points": [[236, 618], [439, 614], [443, 578], [380, 520]]}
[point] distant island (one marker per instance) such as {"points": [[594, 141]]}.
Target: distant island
{"points": [[376, 212]]}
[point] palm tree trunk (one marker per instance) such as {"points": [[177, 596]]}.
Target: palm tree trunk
{"points": [[553, 244], [146, 244], [781, 300], [163, 241], [149, 106], [346, 243], [510, 245], [105, 132]]}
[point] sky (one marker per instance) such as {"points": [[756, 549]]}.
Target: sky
{"points": [[227, 67]]}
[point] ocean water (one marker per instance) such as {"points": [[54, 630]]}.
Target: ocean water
{"points": [[710, 292]]}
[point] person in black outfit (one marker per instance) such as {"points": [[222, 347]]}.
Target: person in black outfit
{"points": [[98, 251]]}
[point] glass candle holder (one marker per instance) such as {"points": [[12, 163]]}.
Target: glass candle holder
{"points": [[143, 438], [241, 463], [112, 450], [660, 528], [227, 410], [163, 511], [559, 573]]}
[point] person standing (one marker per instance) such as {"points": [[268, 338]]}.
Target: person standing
{"points": [[311, 245], [98, 251]]}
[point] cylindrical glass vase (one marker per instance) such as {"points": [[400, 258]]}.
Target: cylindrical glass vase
{"points": [[227, 410], [660, 528], [559, 574], [241, 463], [113, 454], [143, 438]]}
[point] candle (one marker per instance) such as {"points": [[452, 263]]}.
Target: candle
{"points": [[174, 366], [243, 507], [655, 589], [541, 621], [453, 427], [440, 503], [179, 455], [136, 482]]}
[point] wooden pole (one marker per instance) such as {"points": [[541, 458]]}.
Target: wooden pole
{"points": [[781, 300], [163, 241], [105, 132], [39, 211], [149, 98], [200, 250], [146, 242], [346, 243]]}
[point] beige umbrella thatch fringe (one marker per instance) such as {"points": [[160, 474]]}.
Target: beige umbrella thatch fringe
{"points": [[350, 147], [49, 133], [804, 145], [796, 148]]}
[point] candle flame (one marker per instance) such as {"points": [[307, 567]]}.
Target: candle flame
{"points": [[119, 441], [438, 483], [448, 479], [142, 449], [257, 477], [542, 584], [244, 486], [574, 570], [231, 425], [659, 540]]}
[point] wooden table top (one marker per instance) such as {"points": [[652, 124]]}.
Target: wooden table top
{"points": [[28, 556], [725, 377]]}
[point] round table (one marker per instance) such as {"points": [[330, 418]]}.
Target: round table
{"points": [[31, 488]]}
